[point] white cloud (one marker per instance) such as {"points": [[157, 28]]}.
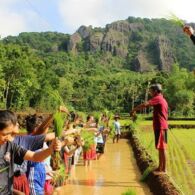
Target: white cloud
{"points": [[100, 12], [10, 22], [184, 9], [23, 15], [24, 19], [76, 12]]}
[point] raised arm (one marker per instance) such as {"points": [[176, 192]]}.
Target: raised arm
{"points": [[44, 125], [139, 107], [49, 137], [190, 32], [42, 155], [192, 37], [70, 152]]}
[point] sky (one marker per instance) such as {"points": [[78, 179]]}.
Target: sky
{"points": [[67, 16]]}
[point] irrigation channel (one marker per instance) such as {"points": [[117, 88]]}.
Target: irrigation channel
{"points": [[114, 173]]}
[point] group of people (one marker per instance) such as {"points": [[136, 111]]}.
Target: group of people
{"points": [[22, 170], [15, 151], [25, 162], [22, 165]]}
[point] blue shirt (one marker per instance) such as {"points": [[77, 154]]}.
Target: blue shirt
{"points": [[28, 142]]}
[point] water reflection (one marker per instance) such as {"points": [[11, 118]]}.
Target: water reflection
{"points": [[113, 174]]}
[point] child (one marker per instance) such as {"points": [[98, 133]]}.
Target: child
{"points": [[11, 153], [117, 128], [90, 154], [69, 151], [32, 143], [100, 143]]}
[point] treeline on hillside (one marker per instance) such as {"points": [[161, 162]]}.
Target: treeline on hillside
{"points": [[144, 44], [37, 71], [84, 82]]}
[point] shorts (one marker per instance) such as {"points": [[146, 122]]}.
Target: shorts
{"points": [[36, 178], [160, 139], [48, 187], [21, 184], [90, 154], [117, 131], [69, 161], [100, 148]]}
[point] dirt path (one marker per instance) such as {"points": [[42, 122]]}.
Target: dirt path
{"points": [[113, 174]]}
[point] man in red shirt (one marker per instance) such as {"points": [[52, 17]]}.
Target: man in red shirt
{"points": [[160, 125]]}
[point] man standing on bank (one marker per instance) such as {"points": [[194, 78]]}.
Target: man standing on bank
{"points": [[160, 125]]}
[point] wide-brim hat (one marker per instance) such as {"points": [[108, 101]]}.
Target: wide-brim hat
{"points": [[116, 116]]}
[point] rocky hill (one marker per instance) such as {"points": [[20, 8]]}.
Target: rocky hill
{"points": [[145, 44]]}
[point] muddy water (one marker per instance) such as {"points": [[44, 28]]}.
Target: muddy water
{"points": [[113, 174]]}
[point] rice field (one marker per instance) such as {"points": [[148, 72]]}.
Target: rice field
{"points": [[171, 122], [180, 153]]}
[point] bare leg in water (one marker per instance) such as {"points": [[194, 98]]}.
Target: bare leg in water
{"points": [[114, 138], [118, 137]]}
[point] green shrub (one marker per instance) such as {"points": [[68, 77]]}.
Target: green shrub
{"points": [[129, 192]]}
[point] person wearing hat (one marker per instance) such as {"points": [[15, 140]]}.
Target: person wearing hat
{"points": [[160, 125], [117, 128], [190, 32]]}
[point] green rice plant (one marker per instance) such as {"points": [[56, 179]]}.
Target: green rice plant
{"points": [[1, 189], [177, 21], [58, 128], [57, 97], [185, 176], [146, 173], [82, 115], [88, 140], [172, 122], [150, 145], [59, 176], [108, 113], [112, 132], [58, 124], [180, 156], [97, 116], [129, 192], [3, 169]]}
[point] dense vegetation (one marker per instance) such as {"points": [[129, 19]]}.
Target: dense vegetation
{"points": [[38, 68]]}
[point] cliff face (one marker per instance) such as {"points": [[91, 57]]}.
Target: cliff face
{"points": [[141, 63], [114, 38], [165, 55], [140, 44], [74, 40], [120, 38], [115, 42]]}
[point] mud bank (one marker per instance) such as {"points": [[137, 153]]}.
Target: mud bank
{"points": [[158, 184]]}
